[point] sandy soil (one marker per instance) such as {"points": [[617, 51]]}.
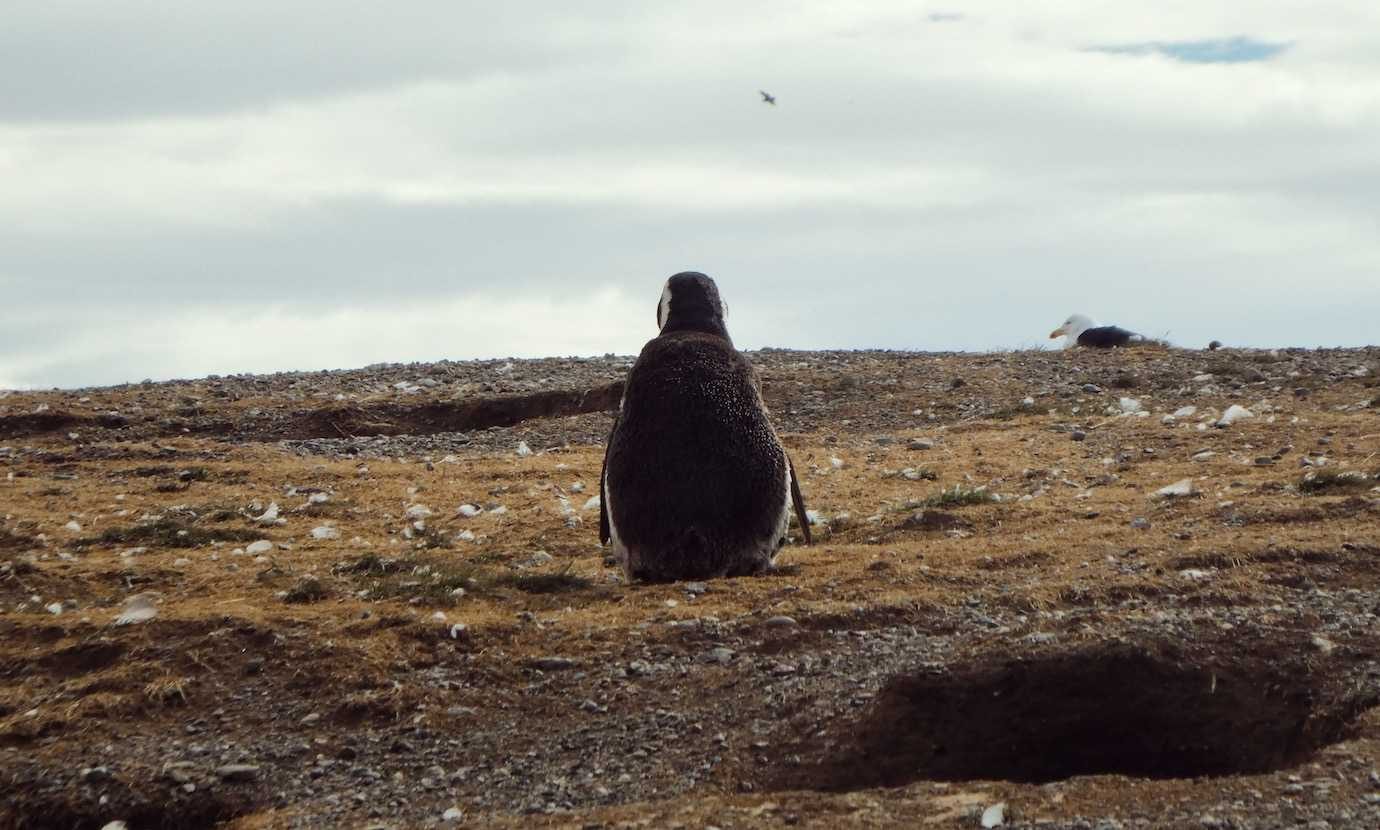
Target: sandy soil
{"points": [[998, 609]]}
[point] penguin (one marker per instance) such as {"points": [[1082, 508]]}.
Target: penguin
{"points": [[695, 482], [1081, 331]]}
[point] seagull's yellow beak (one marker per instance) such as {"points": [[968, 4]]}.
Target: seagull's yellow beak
{"points": [[1056, 333]]}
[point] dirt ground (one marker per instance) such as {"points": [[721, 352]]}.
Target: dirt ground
{"points": [[1002, 622]]}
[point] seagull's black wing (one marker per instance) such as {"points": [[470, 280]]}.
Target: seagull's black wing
{"points": [[798, 501], [1106, 337]]}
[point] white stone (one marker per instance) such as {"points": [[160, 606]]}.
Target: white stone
{"points": [[417, 511], [261, 546], [1129, 405], [523, 450], [468, 511], [1234, 413], [72, 527], [269, 516], [994, 816], [138, 608], [325, 532], [1182, 487]]}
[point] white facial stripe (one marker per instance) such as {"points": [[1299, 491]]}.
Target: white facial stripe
{"points": [[663, 309]]}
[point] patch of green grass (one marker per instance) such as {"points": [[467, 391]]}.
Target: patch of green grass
{"points": [[167, 533], [958, 496], [1325, 481]]}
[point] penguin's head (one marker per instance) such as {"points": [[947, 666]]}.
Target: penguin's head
{"points": [[690, 302]]}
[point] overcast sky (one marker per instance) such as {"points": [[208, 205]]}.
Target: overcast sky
{"points": [[221, 187]]}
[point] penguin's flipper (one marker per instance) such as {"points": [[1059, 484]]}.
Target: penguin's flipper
{"points": [[798, 501], [604, 534]]}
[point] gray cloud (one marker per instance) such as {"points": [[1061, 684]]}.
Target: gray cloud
{"points": [[329, 189]]}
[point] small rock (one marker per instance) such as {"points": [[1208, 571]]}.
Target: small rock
{"points": [[695, 588], [1179, 489], [1078, 435], [72, 527], [1203, 456], [468, 511], [138, 608], [994, 816], [256, 548], [1234, 413], [238, 773], [452, 814], [920, 444], [325, 532], [1323, 644], [1092, 389], [552, 663], [1128, 406], [269, 516], [781, 621], [523, 450], [719, 655], [1140, 523]]}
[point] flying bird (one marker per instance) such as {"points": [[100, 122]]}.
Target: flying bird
{"points": [[1082, 331], [767, 97]]}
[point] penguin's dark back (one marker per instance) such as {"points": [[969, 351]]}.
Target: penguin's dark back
{"points": [[693, 446]]}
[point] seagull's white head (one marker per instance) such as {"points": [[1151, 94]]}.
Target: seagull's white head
{"points": [[1072, 327]]}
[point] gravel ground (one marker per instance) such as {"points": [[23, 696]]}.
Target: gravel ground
{"points": [[1002, 607]]}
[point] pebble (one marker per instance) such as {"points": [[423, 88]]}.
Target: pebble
{"points": [[261, 546], [523, 450], [921, 444], [469, 511], [553, 663], [1078, 435], [452, 814], [138, 608], [238, 772], [269, 516], [695, 588], [781, 621], [417, 511], [719, 655], [994, 816], [1140, 523], [325, 532], [1234, 413], [1179, 489], [1092, 389], [72, 527]]}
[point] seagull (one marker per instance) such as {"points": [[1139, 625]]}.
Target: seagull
{"points": [[767, 97], [1084, 332]]}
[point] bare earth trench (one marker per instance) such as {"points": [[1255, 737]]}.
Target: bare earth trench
{"points": [[375, 598]]}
